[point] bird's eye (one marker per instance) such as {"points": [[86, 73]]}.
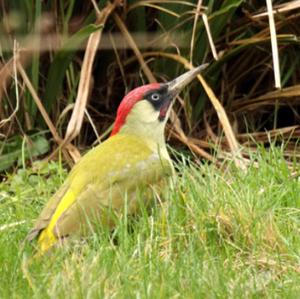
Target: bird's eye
{"points": [[155, 97]]}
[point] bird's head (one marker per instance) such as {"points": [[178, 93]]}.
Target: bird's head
{"points": [[144, 111]]}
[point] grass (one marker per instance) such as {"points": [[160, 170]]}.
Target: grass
{"points": [[219, 234]]}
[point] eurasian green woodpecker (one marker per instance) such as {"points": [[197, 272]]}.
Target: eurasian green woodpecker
{"points": [[111, 174]]}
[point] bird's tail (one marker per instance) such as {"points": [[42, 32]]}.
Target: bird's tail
{"points": [[46, 240]]}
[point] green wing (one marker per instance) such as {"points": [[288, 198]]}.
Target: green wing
{"points": [[99, 182]]}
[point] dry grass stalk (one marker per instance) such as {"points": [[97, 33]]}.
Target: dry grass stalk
{"points": [[121, 68], [197, 13], [10, 225], [252, 139], [135, 49], [15, 76], [210, 133], [7, 71], [74, 153], [38, 103], [210, 39], [192, 145], [150, 3], [268, 98], [233, 144], [274, 44], [92, 125], [266, 136], [76, 120], [281, 8]]}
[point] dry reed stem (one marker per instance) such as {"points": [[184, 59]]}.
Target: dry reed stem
{"points": [[209, 35], [281, 8], [249, 139], [233, 143], [209, 130], [76, 120], [92, 125], [96, 8], [70, 148], [38, 103], [274, 44], [7, 71], [163, 9], [135, 49], [189, 142], [260, 38], [15, 76], [265, 136], [252, 104], [77, 116], [120, 65], [197, 13], [144, 3]]}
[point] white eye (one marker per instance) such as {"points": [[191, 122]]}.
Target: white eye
{"points": [[155, 97]]}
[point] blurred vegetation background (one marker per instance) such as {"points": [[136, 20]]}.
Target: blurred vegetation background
{"points": [[66, 65]]}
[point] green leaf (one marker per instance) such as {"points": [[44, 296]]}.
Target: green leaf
{"points": [[17, 149]]}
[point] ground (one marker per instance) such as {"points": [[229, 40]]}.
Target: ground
{"points": [[220, 233]]}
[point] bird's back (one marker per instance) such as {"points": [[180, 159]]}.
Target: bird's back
{"points": [[98, 185]]}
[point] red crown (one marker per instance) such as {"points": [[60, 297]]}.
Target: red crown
{"points": [[128, 102]]}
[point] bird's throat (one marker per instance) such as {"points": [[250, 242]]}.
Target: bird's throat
{"points": [[163, 112]]}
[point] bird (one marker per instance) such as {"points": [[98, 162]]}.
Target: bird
{"points": [[117, 172]]}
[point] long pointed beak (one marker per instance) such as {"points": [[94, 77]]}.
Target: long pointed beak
{"points": [[176, 85]]}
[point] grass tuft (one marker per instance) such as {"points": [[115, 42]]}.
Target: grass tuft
{"points": [[217, 233]]}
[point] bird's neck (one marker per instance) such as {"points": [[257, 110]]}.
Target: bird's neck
{"points": [[151, 133], [143, 122]]}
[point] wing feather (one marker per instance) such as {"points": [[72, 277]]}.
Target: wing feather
{"points": [[98, 181]]}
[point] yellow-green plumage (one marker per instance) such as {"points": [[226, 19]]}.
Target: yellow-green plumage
{"points": [[99, 182], [109, 177]]}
